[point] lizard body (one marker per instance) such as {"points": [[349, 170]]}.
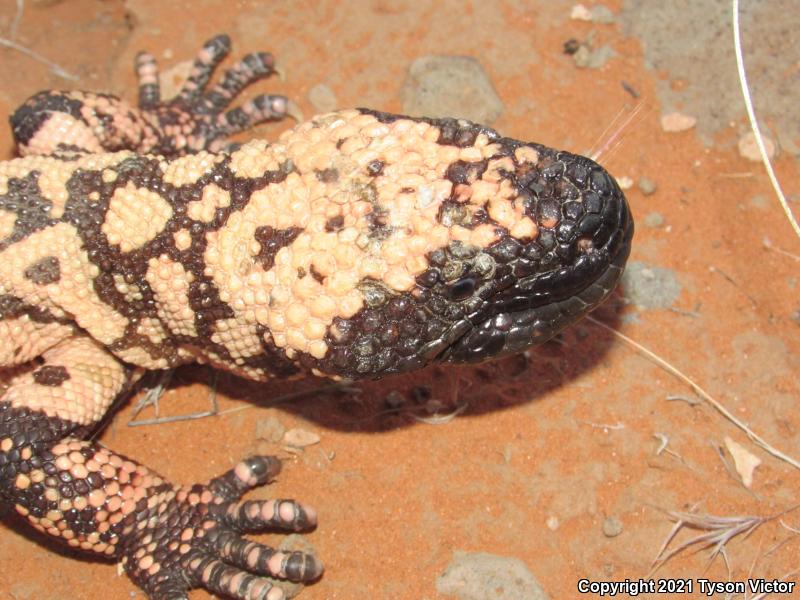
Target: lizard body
{"points": [[359, 244]]}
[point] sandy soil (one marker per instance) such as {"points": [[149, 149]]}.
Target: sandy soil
{"points": [[554, 457]]}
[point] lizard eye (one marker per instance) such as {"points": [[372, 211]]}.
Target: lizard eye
{"points": [[463, 288]]}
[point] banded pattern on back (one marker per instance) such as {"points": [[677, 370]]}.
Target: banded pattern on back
{"points": [[358, 244]]}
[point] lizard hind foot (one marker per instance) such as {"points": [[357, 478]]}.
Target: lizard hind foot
{"points": [[200, 543]]}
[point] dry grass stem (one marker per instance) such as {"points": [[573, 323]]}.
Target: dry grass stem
{"points": [[17, 18], [754, 437], [56, 69], [718, 532], [748, 102], [769, 246]]}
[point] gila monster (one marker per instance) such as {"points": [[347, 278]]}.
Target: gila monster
{"points": [[358, 245]]}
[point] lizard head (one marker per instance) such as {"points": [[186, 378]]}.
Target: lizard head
{"points": [[389, 243], [528, 240], [560, 255]]}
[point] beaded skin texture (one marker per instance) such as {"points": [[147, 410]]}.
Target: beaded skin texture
{"points": [[357, 245]]}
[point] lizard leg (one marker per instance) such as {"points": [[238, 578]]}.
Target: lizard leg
{"points": [[53, 478], [210, 55], [29, 337], [52, 123], [168, 538], [247, 71], [146, 68], [262, 108]]}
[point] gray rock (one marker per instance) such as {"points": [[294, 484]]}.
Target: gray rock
{"points": [[647, 185], [601, 14], [483, 576], [270, 429], [450, 86], [593, 59], [612, 527], [322, 98], [654, 220], [650, 287]]}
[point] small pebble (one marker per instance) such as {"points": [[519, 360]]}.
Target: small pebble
{"points": [[675, 122], [571, 46], [300, 438], [454, 86], [601, 14], [585, 58], [597, 14], [625, 182], [650, 287], [171, 80], [270, 429], [482, 576], [322, 98], [581, 56], [580, 13], [647, 185], [612, 527], [654, 220], [748, 147]]}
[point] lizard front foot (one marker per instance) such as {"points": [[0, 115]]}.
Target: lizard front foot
{"points": [[181, 538], [197, 118]]}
